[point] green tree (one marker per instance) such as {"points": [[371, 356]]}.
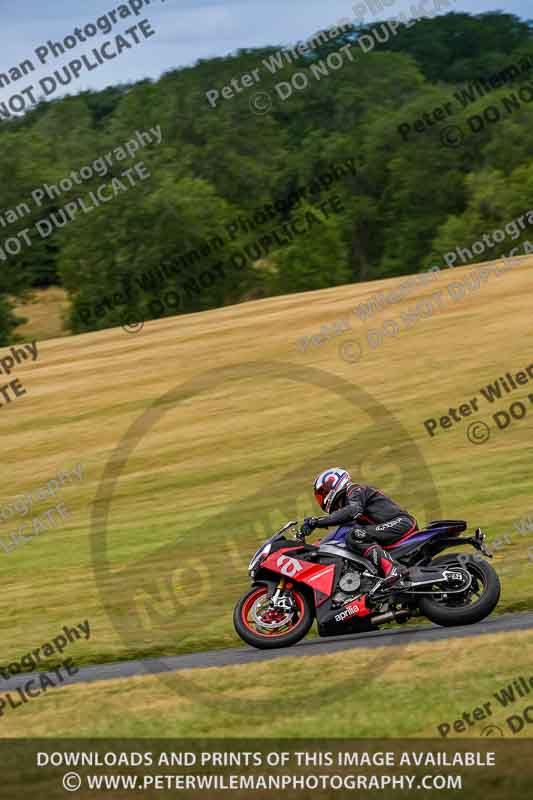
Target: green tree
{"points": [[317, 258]]}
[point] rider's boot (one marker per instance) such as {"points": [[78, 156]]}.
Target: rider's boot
{"points": [[391, 572]]}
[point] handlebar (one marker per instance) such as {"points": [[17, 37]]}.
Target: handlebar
{"points": [[298, 532]]}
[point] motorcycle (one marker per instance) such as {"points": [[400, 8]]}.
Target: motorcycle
{"points": [[294, 582]]}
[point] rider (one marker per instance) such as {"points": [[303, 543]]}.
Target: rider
{"points": [[374, 520]]}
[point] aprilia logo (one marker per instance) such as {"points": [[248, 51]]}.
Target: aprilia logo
{"points": [[349, 612]]}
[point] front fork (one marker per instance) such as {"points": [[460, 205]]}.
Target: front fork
{"points": [[282, 597]]}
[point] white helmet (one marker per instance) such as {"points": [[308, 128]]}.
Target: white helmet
{"points": [[329, 485]]}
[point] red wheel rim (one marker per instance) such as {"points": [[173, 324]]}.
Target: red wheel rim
{"points": [[260, 592]]}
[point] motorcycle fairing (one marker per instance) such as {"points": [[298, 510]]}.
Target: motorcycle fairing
{"points": [[319, 577], [355, 617]]}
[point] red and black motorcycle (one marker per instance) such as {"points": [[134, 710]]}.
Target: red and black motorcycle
{"points": [[295, 582]]}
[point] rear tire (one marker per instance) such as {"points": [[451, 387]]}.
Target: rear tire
{"points": [[448, 615], [269, 641]]}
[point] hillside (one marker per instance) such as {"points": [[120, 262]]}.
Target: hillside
{"points": [[378, 165], [233, 449]]}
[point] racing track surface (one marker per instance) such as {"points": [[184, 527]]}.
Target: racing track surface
{"points": [[307, 648]]}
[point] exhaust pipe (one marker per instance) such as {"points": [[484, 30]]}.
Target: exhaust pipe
{"points": [[390, 615]]}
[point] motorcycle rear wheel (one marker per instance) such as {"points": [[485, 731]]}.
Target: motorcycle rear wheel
{"points": [[285, 636], [449, 611]]}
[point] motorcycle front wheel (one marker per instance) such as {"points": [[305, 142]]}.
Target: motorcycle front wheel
{"points": [[266, 628]]}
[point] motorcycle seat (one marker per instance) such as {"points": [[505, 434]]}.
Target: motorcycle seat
{"points": [[453, 525]]}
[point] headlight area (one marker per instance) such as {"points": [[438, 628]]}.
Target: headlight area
{"points": [[260, 556]]}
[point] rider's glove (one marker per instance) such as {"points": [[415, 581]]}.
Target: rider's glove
{"points": [[309, 525]]}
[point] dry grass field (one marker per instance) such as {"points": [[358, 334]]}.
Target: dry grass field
{"points": [[199, 434], [44, 313], [156, 709]]}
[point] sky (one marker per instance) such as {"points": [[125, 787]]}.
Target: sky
{"points": [[184, 32]]}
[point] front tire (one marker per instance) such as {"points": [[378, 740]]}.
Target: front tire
{"points": [[459, 609], [252, 610]]}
